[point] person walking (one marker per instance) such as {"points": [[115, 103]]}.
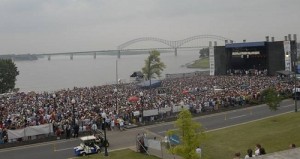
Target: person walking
{"points": [[198, 151], [76, 130], [68, 131], [121, 125], [112, 125]]}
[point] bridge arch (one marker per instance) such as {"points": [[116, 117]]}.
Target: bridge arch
{"points": [[172, 44], [187, 40], [128, 43]]}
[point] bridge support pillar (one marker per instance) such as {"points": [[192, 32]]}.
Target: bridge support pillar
{"points": [[119, 54], [49, 57], [71, 56], [175, 51], [95, 55]]}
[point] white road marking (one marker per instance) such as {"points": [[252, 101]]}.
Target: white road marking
{"points": [[35, 145], [237, 116], [161, 132], [64, 149], [249, 121], [124, 148], [112, 150], [288, 105]]}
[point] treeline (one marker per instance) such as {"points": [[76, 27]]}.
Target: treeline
{"points": [[22, 57]]}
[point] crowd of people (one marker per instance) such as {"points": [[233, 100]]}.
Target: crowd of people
{"points": [[84, 107], [258, 151]]}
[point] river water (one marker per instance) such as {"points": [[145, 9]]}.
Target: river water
{"points": [[85, 71]]}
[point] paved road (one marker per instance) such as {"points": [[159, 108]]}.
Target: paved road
{"points": [[63, 149], [225, 119]]}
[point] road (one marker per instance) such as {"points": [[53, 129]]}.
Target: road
{"points": [[63, 149]]}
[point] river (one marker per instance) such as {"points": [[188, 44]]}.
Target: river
{"points": [[84, 71]]}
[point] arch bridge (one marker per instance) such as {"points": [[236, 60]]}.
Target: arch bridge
{"points": [[173, 44], [169, 45]]}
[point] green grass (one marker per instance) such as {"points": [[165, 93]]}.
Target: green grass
{"points": [[121, 154], [274, 134], [201, 63]]}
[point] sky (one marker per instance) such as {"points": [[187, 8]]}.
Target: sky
{"points": [[53, 26]]}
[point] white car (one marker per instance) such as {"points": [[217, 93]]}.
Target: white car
{"points": [[87, 146]]}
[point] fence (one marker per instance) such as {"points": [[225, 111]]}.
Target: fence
{"points": [[31, 131], [190, 74]]}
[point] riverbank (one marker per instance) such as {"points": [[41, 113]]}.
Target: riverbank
{"points": [[202, 63]]}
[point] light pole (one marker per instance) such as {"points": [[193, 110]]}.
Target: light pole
{"points": [[117, 72], [116, 96], [73, 112], [104, 129], [295, 80], [54, 100], [142, 105]]}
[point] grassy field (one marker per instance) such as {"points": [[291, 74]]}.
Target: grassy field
{"points": [[274, 134], [201, 63], [121, 154]]}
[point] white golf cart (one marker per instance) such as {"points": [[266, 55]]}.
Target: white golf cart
{"points": [[87, 146]]}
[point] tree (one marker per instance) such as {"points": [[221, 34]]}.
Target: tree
{"points": [[204, 52], [153, 65], [190, 134], [8, 74], [271, 97]]}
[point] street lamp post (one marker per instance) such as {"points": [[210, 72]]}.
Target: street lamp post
{"points": [[73, 112], [116, 96], [295, 81], [54, 100], [142, 105], [104, 129]]}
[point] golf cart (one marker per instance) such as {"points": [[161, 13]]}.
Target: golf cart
{"points": [[88, 145], [100, 141]]}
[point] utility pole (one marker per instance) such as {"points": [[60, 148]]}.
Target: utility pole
{"points": [[295, 79], [149, 70], [117, 72]]}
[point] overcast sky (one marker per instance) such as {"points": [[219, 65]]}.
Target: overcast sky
{"points": [[48, 26]]}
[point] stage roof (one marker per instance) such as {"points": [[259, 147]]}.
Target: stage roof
{"points": [[285, 72], [246, 44]]}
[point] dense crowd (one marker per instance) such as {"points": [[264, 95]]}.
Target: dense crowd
{"points": [[200, 93]]}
